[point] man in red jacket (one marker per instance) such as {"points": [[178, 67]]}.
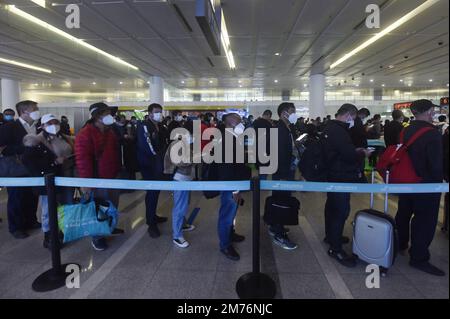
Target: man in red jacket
{"points": [[97, 156]]}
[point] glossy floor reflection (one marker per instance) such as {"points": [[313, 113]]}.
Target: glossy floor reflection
{"points": [[137, 266]]}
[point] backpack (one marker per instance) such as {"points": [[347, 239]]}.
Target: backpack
{"points": [[312, 162], [396, 160], [210, 173]]}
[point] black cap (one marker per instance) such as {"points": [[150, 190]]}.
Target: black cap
{"points": [[98, 108], [421, 106]]}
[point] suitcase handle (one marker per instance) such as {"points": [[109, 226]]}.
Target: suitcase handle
{"points": [[386, 195]]}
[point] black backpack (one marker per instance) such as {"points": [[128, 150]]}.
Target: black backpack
{"points": [[210, 173], [312, 162]]}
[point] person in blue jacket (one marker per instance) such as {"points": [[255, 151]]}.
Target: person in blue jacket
{"points": [[152, 141]]}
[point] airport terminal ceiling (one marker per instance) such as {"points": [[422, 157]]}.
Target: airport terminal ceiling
{"points": [[276, 45]]}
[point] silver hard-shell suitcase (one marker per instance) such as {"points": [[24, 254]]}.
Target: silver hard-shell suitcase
{"points": [[375, 235]]}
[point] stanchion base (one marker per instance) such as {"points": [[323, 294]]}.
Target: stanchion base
{"points": [[51, 280], [256, 286]]}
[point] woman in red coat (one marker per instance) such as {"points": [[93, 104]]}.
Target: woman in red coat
{"points": [[97, 156]]}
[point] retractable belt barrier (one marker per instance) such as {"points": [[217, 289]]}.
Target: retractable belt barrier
{"points": [[251, 285]]}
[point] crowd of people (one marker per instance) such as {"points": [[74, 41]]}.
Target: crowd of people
{"points": [[111, 146]]}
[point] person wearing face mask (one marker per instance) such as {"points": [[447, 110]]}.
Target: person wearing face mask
{"points": [[177, 121], [342, 160], [230, 171], [181, 170], [49, 152], [151, 147], [359, 137], [8, 116], [417, 214], [287, 163], [22, 202], [97, 156]]}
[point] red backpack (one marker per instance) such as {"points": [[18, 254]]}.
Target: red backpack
{"points": [[396, 160]]}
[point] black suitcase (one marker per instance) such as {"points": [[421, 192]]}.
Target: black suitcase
{"points": [[281, 210]]}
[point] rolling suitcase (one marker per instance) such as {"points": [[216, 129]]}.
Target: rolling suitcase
{"points": [[375, 235]]}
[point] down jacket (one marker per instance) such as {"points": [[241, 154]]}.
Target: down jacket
{"points": [[97, 153]]}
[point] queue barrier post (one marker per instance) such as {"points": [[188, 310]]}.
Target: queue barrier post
{"points": [[256, 285], [55, 277]]}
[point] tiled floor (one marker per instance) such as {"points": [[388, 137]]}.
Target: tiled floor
{"points": [[137, 266]]}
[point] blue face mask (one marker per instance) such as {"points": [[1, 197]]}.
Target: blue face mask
{"points": [[8, 118]]}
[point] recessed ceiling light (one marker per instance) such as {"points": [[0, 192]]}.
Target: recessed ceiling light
{"points": [[447, 84], [148, 82], [409, 84], [182, 82], [431, 80], [356, 84], [239, 81], [276, 81], [120, 82], [240, 86], [383, 85], [391, 66], [386, 31], [278, 54], [401, 80], [305, 85], [210, 81], [371, 80], [94, 83]]}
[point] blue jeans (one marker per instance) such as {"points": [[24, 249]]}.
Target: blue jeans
{"points": [[227, 213], [180, 207]]}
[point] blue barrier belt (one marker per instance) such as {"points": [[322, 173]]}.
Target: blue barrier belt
{"points": [[22, 181], [229, 185], [353, 188], [153, 185]]}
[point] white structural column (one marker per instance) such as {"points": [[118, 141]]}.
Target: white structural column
{"points": [[317, 96], [157, 90], [10, 93]]}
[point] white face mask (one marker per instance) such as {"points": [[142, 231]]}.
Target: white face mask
{"points": [[157, 117], [35, 115], [52, 129], [292, 118], [108, 120], [351, 123], [239, 129]]}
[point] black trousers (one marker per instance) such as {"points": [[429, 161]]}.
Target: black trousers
{"points": [[337, 209], [22, 206], [418, 212]]}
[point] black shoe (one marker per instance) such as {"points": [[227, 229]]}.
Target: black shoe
{"points": [[344, 240], [99, 244], [153, 231], [35, 225], [428, 268], [231, 253], [236, 238], [160, 219], [117, 231], [18, 234], [343, 258]]}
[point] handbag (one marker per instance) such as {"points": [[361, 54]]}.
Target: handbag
{"points": [[11, 166], [87, 219], [281, 210]]}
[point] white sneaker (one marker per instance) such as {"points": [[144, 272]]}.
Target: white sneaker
{"points": [[187, 228], [181, 242]]}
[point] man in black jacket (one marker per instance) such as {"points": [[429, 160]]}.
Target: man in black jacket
{"points": [[287, 157], [342, 158], [427, 157], [22, 202], [264, 122], [393, 129], [359, 137], [230, 171]]}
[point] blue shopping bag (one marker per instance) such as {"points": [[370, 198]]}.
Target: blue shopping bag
{"points": [[87, 219]]}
